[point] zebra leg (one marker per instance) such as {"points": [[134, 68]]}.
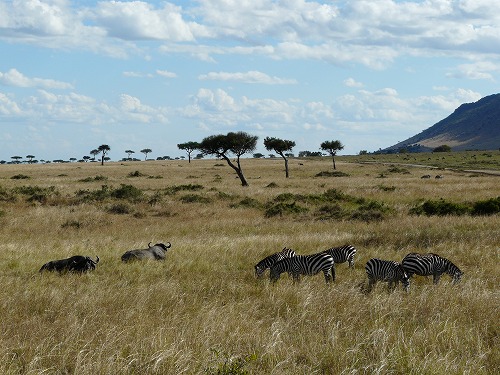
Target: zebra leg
{"points": [[326, 272], [435, 278], [351, 263], [391, 285], [371, 283], [296, 277], [333, 272]]}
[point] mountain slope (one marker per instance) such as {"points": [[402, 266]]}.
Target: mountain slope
{"points": [[473, 126]]}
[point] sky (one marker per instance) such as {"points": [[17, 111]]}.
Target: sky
{"points": [[152, 74]]}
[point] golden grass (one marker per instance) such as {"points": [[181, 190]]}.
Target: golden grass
{"points": [[203, 311]]}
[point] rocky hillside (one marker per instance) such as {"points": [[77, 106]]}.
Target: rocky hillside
{"points": [[473, 126]]}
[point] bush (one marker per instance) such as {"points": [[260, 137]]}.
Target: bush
{"points": [[284, 208], [248, 203], [135, 174], [120, 209], [127, 192], [92, 179], [487, 207], [20, 177], [440, 208], [176, 188], [332, 174]]}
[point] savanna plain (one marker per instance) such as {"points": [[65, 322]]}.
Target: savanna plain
{"points": [[203, 311]]}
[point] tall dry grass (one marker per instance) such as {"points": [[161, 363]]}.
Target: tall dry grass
{"points": [[203, 311]]}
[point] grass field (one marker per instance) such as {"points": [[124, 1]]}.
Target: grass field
{"points": [[202, 311]]}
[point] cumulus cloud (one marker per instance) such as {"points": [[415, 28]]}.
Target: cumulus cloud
{"points": [[247, 77], [351, 82], [166, 74], [15, 78]]}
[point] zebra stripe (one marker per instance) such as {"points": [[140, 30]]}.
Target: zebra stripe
{"points": [[343, 254], [386, 270], [430, 264], [304, 265], [267, 262]]}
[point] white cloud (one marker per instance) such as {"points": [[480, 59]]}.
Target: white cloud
{"points": [[139, 20], [8, 107], [166, 74], [247, 77], [351, 82], [15, 78]]}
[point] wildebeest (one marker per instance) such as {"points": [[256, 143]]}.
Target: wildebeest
{"points": [[76, 263], [155, 252]]}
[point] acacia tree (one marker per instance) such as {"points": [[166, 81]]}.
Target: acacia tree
{"points": [[222, 146], [129, 152], [94, 153], [30, 157], [280, 146], [189, 147], [146, 151], [104, 149], [332, 147]]}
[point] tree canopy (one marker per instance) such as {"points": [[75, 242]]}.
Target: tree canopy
{"points": [[280, 146], [104, 149], [189, 147], [332, 147], [237, 143]]}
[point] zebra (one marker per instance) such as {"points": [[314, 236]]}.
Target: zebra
{"points": [[386, 270], [267, 262], [430, 264], [304, 265], [343, 254]]}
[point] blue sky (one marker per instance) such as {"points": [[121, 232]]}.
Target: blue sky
{"points": [[152, 74]]}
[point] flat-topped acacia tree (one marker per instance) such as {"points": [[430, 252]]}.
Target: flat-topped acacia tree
{"points": [[280, 146], [332, 147], [189, 147], [237, 143]]}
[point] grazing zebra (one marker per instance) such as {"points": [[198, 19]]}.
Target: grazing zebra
{"points": [[430, 264], [386, 270], [342, 254], [304, 265], [272, 259]]}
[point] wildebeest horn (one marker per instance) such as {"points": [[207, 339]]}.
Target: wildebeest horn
{"points": [[96, 259], [169, 245], [149, 244]]}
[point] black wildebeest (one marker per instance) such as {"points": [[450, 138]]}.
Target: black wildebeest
{"points": [[76, 263], [155, 252]]}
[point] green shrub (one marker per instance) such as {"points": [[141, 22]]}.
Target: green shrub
{"points": [[282, 208], [486, 207], [135, 174], [37, 193], [331, 211], [20, 177], [248, 203], [92, 179], [440, 208], [95, 195], [120, 209], [71, 224], [332, 174], [176, 188], [127, 192]]}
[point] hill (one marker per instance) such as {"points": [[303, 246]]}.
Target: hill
{"points": [[472, 126]]}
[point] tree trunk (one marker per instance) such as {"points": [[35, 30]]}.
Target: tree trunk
{"points": [[237, 169], [333, 157], [286, 165]]}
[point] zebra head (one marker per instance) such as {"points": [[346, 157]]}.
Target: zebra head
{"points": [[457, 276], [259, 271]]}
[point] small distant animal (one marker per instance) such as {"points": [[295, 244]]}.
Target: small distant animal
{"points": [[426, 176], [269, 261], [76, 264], [155, 252], [430, 264], [386, 270], [439, 176]]}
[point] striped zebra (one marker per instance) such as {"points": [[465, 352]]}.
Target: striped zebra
{"points": [[430, 264], [304, 265], [267, 262], [343, 254], [386, 270]]}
